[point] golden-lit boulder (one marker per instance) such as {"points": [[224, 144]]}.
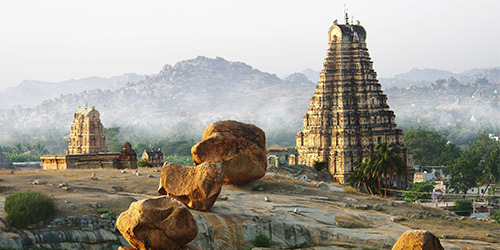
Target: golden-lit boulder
{"points": [[157, 223], [240, 147], [197, 187], [417, 240]]}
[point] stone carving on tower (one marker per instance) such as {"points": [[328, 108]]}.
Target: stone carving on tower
{"points": [[86, 133], [348, 114]]}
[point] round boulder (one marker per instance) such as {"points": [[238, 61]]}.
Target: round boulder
{"points": [[417, 240], [157, 223]]}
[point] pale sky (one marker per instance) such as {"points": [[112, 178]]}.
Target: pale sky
{"points": [[60, 40]]}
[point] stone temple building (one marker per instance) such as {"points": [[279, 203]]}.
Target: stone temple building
{"points": [[348, 114], [86, 133], [87, 147]]}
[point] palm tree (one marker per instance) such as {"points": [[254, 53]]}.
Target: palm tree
{"points": [[18, 148], [361, 176], [386, 162]]}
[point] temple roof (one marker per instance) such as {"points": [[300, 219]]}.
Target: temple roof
{"points": [[348, 33]]}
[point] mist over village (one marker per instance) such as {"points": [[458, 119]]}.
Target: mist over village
{"points": [[256, 125]]}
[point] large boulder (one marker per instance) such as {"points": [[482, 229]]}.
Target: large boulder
{"points": [[157, 223], [417, 240], [240, 147], [197, 187]]}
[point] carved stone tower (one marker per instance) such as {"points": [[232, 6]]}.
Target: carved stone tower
{"points": [[87, 133], [348, 114]]}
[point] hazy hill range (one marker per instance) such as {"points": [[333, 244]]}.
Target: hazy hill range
{"points": [[193, 93], [187, 95], [30, 93], [448, 101]]}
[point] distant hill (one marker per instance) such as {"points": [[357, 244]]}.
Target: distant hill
{"points": [[425, 75], [421, 77], [311, 74], [460, 99], [185, 96], [30, 93]]}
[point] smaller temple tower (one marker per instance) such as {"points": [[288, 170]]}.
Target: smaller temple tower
{"points": [[86, 133]]}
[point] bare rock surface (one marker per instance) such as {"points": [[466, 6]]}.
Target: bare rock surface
{"points": [[238, 146], [197, 187], [417, 240], [157, 223]]}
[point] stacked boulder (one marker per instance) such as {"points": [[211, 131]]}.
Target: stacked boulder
{"points": [[231, 152], [240, 147], [197, 187]]}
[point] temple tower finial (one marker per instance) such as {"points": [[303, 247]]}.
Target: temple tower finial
{"points": [[346, 15]]}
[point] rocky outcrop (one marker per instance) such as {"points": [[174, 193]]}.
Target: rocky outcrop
{"points": [[157, 223], [197, 187], [417, 240], [240, 147], [59, 239]]}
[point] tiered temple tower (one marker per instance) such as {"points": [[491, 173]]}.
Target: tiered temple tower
{"points": [[348, 114], [87, 133]]}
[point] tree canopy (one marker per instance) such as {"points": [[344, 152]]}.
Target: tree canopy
{"points": [[430, 148]]}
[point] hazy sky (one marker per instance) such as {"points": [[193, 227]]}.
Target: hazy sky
{"points": [[59, 40]]}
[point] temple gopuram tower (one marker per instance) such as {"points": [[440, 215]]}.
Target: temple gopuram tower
{"points": [[348, 114], [86, 133]]}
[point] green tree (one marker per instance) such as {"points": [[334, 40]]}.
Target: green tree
{"points": [[18, 148], [430, 148], [464, 172], [462, 207], [477, 165], [112, 139], [139, 148], [360, 176], [496, 217], [386, 163], [419, 191], [40, 149]]}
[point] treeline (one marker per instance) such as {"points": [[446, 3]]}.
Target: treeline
{"points": [[175, 149], [24, 152], [476, 165]]}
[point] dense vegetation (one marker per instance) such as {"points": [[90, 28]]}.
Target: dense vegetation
{"points": [[477, 165], [24, 152], [430, 148], [419, 191], [26, 207]]}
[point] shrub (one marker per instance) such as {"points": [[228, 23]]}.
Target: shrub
{"points": [[463, 207], [144, 163], [496, 217], [261, 240], [106, 211], [27, 207]]}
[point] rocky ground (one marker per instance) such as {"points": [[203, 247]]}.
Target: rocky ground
{"points": [[291, 205]]}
